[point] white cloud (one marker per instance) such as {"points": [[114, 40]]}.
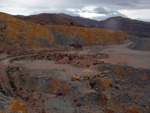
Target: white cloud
{"points": [[89, 8], [91, 15], [15, 10], [95, 9], [141, 14], [87, 12], [94, 12]]}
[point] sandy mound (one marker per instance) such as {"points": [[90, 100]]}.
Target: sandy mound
{"points": [[141, 44]]}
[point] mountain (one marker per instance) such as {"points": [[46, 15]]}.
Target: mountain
{"points": [[132, 27], [85, 21], [49, 19], [16, 31]]}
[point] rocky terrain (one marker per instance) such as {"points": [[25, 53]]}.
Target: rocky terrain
{"points": [[16, 31], [69, 69], [68, 80]]}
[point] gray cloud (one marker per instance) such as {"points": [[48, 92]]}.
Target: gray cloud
{"points": [[108, 12], [77, 3], [108, 7]]}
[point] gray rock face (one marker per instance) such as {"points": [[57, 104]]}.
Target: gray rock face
{"points": [[141, 44], [4, 102]]}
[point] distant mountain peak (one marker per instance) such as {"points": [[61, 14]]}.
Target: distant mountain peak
{"points": [[132, 27], [50, 19]]}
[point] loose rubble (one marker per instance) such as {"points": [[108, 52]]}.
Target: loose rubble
{"points": [[100, 88]]}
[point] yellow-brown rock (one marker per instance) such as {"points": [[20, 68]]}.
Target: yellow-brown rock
{"points": [[65, 89], [135, 109], [75, 77], [110, 110], [106, 82], [17, 107], [56, 83], [102, 75]]}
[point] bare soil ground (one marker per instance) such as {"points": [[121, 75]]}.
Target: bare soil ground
{"points": [[67, 80], [121, 54]]}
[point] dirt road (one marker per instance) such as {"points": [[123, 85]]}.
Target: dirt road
{"points": [[120, 54]]}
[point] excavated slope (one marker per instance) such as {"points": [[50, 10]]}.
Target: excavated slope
{"points": [[13, 30], [141, 44]]}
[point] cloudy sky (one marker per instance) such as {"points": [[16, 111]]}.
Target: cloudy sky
{"points": [[94, 9]]}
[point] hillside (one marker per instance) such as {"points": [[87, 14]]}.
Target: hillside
{"points": [[132, 27], [87, 36], [49, 19], [69, 69], [14, 30], [141, 44], [85, 21]]}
